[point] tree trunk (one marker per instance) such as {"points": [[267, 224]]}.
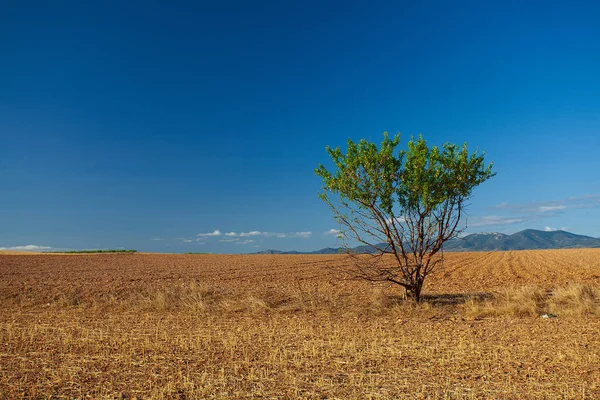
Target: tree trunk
{"points": [[414, 291]]}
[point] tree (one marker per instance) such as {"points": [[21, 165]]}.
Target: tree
{"points": [[407, 205]]}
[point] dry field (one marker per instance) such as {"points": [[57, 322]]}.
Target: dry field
{"points": [[220, 326]]}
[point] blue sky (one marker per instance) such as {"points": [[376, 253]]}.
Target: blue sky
{"points": [[164, 127]]}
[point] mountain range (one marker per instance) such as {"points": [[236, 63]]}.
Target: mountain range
{"points": [[529, 239]]}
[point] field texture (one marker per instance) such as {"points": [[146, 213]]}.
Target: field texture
{"points": [[262, 326]]}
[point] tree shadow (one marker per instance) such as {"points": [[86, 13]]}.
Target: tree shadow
{"points": [[448, 299], [452, 299]]}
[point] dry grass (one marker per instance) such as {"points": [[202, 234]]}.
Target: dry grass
{"points": [[525, 301], [576, 300], [205, 326]]}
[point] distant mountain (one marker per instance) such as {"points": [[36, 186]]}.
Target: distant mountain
{"points": [[479, 242], [328, 250], [529, 239]]}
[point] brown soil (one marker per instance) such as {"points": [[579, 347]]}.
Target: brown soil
{"points": [[285, 326]]}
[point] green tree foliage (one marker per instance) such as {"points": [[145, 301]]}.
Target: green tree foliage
{"points": [[405, 203]]}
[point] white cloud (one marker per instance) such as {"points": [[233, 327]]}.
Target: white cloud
{"points": [[303, 234], [283, 235], [229, 240], [155, 239], [279, 235], [200, 243], [29, 247], [214, 233], [245, 242], [588, 199], [492, 220], [550, 229], [399, 220], [551, 208], [515, 213], [335, 232], [187, 240], [251, 233], [234, 235], [531, 208], [244, 234]]}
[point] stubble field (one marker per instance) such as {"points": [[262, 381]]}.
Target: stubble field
{"points": [[286, 326]]}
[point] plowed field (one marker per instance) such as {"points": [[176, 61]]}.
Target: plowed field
{"points": [[287, 326]]}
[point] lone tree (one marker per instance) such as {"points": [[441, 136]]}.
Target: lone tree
{"points": [[406, 204]]}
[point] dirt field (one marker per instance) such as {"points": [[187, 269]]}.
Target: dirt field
{"points": [[220, 326]]}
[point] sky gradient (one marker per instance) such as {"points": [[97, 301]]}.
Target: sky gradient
{"points": [[196, 127]]}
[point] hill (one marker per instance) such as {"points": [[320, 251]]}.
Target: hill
{"points": [[529, 239]]}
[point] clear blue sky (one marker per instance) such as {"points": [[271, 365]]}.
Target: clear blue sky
{"points": [[142, 125]]}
